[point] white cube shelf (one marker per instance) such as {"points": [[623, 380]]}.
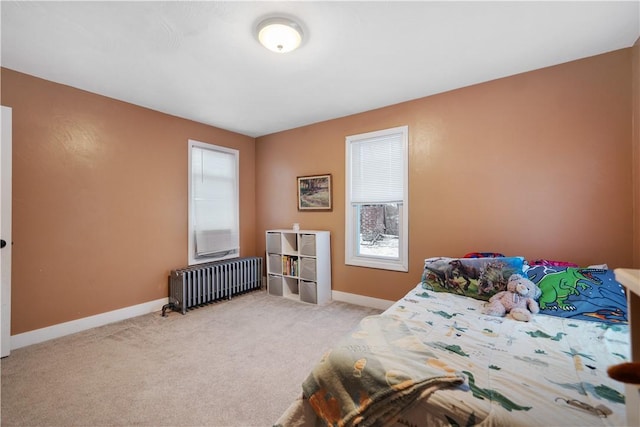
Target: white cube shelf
{"points": [[299, 265]]}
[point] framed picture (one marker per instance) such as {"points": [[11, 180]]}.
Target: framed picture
{"points": [[314, 193]]}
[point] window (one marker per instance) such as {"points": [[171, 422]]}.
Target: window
{"points": [[377, 199], [213, 203]]}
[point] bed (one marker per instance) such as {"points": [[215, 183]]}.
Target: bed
{"points": [[435, 359]]}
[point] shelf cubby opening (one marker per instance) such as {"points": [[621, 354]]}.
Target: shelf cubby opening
{"points": [[290, 243], [290, 286]]}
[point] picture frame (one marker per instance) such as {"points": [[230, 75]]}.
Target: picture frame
{"points": [[315, 193]]}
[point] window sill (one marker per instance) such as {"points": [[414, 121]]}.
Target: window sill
{"points": [[378, 264]]}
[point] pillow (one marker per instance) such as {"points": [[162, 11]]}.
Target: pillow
{"points": [[483, 255], [580, 293], [552, 263], [478, 278]]}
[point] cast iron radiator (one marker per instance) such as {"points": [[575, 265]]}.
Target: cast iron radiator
{"points": [[197, 285]]}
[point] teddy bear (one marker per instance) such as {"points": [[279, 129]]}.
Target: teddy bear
{"points": [[519, 299]]}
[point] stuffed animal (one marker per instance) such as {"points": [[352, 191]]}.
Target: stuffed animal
{"points": [[519, 299]]}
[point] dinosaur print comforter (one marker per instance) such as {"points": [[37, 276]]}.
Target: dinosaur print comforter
{"points": [[547, 372]]}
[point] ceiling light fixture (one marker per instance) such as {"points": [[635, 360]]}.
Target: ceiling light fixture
{"points": [[280, 35]]}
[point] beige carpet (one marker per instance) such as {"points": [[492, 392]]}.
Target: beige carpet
{"points": [[233, 363]]}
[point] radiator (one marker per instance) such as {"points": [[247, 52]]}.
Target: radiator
{"points": [[198, 285]]}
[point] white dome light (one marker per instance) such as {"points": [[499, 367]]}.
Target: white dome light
{"points": [[280, 35]]}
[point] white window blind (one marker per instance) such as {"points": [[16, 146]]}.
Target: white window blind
{"points": [[377, 169]]}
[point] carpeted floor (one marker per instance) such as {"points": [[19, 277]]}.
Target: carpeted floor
{"points": [[234, 363]]}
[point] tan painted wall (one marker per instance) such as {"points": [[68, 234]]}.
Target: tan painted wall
{"points": [[535, 164], [636, 152], [100, 200]]}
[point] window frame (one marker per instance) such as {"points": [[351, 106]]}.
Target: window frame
{"points": [[193, 259], [352, 219]]}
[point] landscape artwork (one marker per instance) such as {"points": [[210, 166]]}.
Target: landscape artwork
{"points": [[314, 193]]}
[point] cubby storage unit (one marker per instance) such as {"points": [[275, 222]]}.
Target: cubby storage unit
{"points": [[299, 265]]}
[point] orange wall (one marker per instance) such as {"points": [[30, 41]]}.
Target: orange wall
{"points": [[100, 200], [636, 153], [536, 164]]}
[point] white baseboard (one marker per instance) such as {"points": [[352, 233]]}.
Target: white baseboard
{"points": [[381, 304], [68, 328]]}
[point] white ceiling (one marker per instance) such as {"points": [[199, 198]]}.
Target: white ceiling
{"points": [[201, 60]]}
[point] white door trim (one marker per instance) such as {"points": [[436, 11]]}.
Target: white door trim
{"points": [[5, 231]]}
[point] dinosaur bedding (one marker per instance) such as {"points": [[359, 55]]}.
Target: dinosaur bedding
{"points": [[460, 367]]}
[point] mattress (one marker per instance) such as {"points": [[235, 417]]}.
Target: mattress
{"points": [[549, 371]]}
